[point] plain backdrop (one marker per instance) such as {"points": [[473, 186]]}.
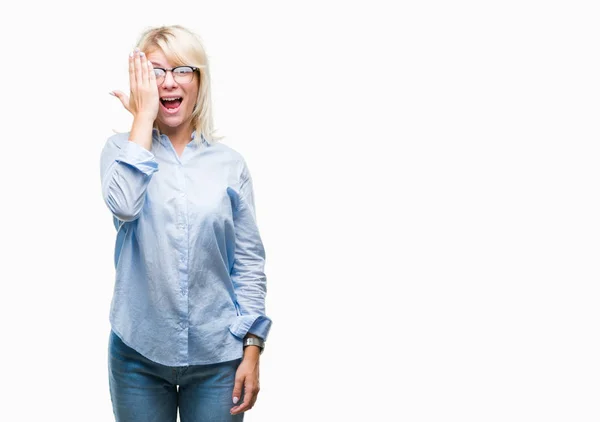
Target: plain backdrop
{"points": [[426, 183]]}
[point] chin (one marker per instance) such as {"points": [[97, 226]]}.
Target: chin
{"points": [[171, 121]]}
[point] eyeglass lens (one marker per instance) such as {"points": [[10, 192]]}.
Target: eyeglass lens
{"points": [[182, 74]]}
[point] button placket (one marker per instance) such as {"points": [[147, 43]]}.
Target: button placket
{"points": [[183, 258]]}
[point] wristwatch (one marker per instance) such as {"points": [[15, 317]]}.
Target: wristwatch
{"points": [[253, 341]]}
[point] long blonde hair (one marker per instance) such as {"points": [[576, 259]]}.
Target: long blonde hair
{"points": [[183, 47]]}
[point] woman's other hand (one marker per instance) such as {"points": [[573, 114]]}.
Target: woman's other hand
{"points": [[143, 100], [246, 377]]}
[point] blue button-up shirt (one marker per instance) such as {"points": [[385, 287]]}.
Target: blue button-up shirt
{"points": [[189, 259]]}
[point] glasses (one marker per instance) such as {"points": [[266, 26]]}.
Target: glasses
{"points": [[181, 74]]}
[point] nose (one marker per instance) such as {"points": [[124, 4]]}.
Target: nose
{"points": [[169, 81]]}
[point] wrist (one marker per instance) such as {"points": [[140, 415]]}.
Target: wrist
{"points": [[253, 344], [144, 118], [251, 353]]}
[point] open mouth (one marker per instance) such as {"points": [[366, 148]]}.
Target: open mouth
{"points": [[171, 104]]}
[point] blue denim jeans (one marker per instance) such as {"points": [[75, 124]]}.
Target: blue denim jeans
{"points": [[145, 391]]}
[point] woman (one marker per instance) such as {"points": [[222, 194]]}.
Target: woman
{"points": [[187, 316]]}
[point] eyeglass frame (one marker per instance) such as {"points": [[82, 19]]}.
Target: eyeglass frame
{"points": [[194, 69]]}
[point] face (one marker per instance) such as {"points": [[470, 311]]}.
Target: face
{"points": [[174, 115]]}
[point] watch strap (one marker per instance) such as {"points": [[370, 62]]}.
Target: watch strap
{"points": [[253, 341]]}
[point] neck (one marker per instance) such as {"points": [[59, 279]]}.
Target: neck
{"points": [[178, 135]]}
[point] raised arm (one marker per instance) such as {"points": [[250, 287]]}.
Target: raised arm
{"points": [[127, 163]]}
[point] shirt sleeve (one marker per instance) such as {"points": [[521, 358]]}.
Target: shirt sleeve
{"points": [[126, 170], [247, 275]]}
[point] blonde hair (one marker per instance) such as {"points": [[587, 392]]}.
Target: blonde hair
{"points": [[183, 47]]}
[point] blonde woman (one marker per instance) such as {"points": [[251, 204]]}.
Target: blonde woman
{"points": [[187, 316]]}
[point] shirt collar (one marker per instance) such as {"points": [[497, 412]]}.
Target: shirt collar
{"points": [[164, 139]]}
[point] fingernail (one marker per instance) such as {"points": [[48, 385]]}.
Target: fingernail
{"points": [[136, 50], [112, 93], [235, 400], [131, 54], [141, 53]]}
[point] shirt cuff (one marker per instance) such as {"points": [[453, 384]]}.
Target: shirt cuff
{"points": [[138, 157], [259, 325]]}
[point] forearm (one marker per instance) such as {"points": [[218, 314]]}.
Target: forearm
{"points": [[141, 131], [126, 170]]}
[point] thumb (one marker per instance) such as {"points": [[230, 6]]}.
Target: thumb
{"points": [[237, 389], [123, 98]]}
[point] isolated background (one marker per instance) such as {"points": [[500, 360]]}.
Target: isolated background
{"points": [[426, 179]]}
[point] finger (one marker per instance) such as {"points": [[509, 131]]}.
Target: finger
{"points": [[255, 396], [131, 72], [138, 68], [246, 405], [144, 67], [237, 389], [123, 98], [151, 75], [250, 394]]}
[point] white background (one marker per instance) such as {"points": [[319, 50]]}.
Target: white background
{"points": [[426, 181]]}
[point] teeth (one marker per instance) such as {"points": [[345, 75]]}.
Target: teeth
{"points": [[170, 98]]}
